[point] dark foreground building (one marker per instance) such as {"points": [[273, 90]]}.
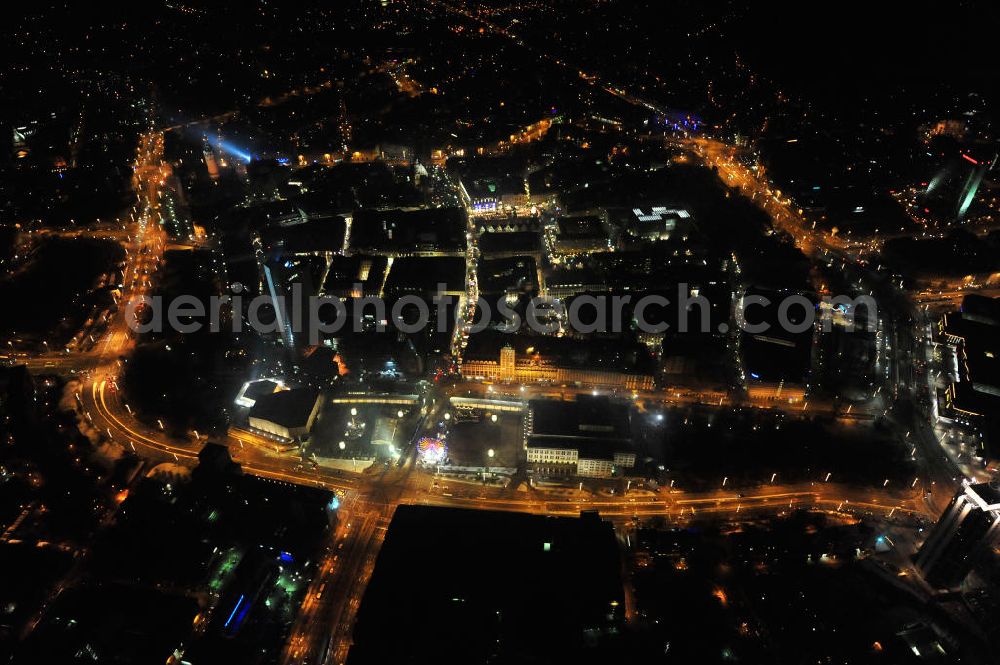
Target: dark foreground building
{"points": [[467, 586], [962, 537]]}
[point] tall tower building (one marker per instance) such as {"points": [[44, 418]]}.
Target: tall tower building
{"points": [[281, 304], [962, 536], [508, 363], [211, 163]]}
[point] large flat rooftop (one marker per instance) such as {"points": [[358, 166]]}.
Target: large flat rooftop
{"points": [[464, 586]]}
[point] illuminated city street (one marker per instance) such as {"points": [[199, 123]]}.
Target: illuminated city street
{"points": [[412, 331]]}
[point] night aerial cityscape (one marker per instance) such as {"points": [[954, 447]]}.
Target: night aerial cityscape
{"points": [[377, 332]]}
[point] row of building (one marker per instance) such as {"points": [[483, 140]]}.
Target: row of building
{"points": [[589, 438], [509, 367]]}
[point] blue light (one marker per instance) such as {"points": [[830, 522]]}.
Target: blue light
{"points": [[286, 557], [241, 617], [334, 502], [233, 613], [756, 376], [233, 150]]}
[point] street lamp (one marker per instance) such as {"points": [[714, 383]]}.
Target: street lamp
{"points": [[486, 469]]}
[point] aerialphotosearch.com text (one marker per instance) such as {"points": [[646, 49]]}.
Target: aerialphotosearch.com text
{"points": [[323, 315]]}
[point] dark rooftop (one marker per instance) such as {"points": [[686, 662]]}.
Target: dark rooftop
{"points": [[776, 354], [465, 586], [261, 388], [433, 229], [289, 408], [516, 273], [988, 492], [347, 271], [422, 274], [587, 226], [318, 235], [589, 417], [516, 242]]}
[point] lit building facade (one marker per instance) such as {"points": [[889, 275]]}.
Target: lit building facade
{"points": [[968, 340], [509, 368], [587, 438], [554, 460]]}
